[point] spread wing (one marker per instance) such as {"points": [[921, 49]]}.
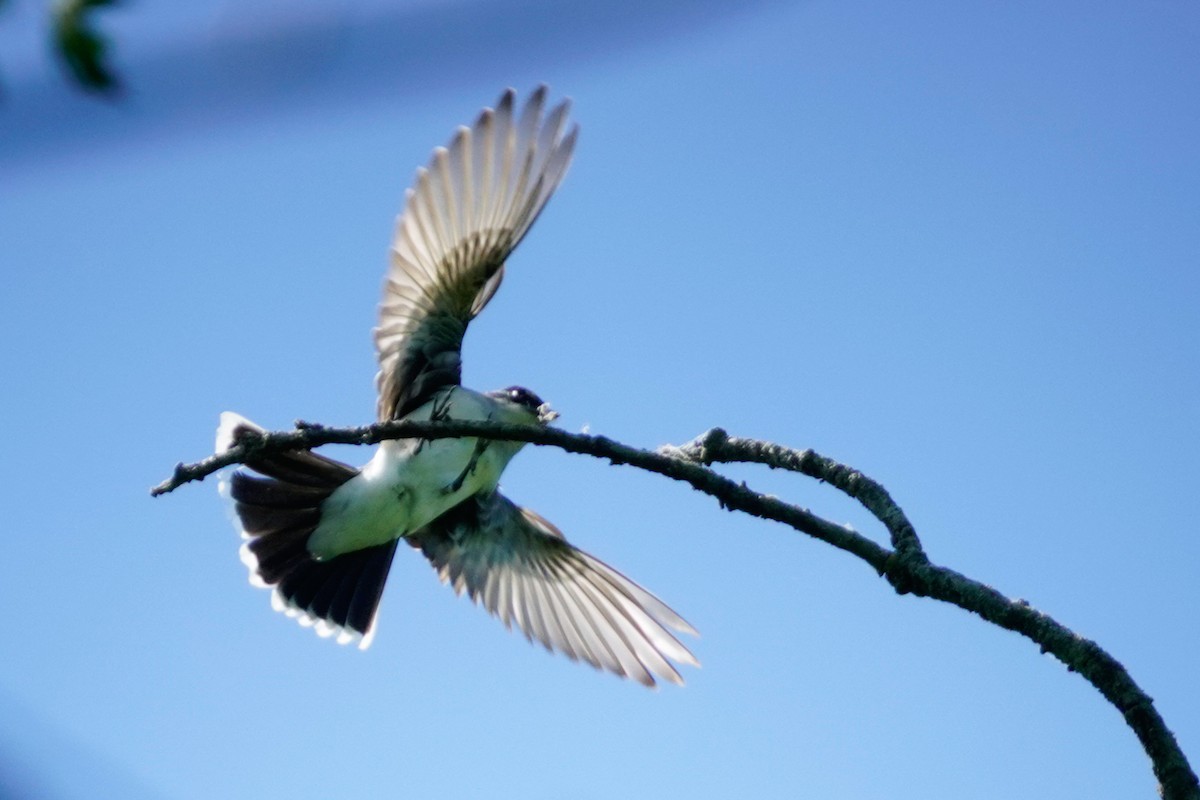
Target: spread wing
{"points": [[522, 570], [468, 210]]}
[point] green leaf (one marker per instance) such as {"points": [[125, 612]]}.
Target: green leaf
{"points": [[81, 47]]}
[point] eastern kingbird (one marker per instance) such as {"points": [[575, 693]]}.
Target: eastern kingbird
{"points": [[323, 533]]}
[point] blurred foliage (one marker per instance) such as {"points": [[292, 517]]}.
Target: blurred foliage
{"points": [[82, 49]]}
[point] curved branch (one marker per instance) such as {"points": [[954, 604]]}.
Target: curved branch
{"points": [[717, 447], [731, 495], [906, 567]]}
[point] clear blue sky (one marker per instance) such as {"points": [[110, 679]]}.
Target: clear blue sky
{"points": [[952, 244]]}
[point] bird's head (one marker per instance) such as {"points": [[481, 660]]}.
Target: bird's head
{"points": [[526, 403]]}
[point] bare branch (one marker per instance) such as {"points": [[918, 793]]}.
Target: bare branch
{"points": [[717, 447], [906, 567]]}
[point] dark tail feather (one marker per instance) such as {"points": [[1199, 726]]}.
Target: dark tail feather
{"points": [[278, 513]]}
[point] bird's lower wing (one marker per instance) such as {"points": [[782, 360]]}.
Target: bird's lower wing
{"points": [[521, 569]]}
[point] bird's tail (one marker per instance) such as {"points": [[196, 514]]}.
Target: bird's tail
{"points": [[277, 512]]}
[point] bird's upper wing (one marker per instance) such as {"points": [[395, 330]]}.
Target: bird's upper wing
{"points": [[468, 210], [522, 570]]}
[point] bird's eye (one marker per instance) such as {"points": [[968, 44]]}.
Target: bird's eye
{"points": [[523, 397]]}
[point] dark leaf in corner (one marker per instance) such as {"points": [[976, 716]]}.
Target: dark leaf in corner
{"points": [[81, 47]]}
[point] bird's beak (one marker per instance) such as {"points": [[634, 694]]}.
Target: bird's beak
{"points": [[546, 414]]}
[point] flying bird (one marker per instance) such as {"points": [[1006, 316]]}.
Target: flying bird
{"points": [[322, 534]]}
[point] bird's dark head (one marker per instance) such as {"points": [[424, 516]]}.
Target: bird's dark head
{"points": [[527, 401]]}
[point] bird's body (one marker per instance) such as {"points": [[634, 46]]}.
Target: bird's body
{"points": [[323, 533], [410, 483]]}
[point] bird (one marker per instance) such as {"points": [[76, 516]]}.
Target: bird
{"points": [[322, 534]]}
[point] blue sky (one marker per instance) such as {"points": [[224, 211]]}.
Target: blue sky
{"points": [[954, 245]]}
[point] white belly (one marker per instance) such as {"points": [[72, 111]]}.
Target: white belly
{"points": [[409, 483]]}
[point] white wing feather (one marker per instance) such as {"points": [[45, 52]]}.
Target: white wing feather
{"points": [[521, 569], [467, 212]]}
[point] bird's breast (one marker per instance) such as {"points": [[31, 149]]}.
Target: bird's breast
{"points": [[409, 482]]}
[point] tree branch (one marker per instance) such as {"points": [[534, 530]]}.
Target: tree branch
{"points": [[906, 566]]}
